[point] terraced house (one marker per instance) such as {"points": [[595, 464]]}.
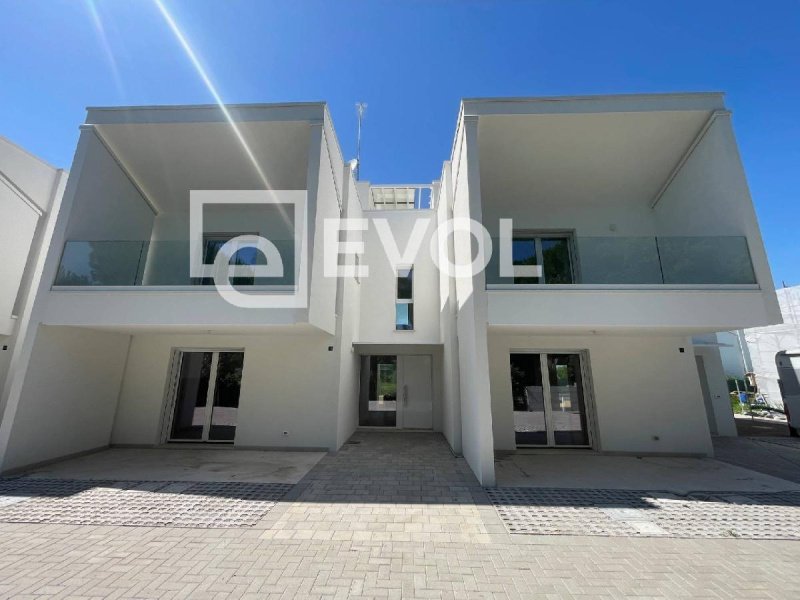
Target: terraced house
{"points": [[619, 227]]}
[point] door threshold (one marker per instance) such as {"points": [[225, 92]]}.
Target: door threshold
{"points": [[393, 430], [198, 445], [548, 451]]}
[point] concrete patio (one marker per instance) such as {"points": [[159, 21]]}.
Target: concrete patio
{"points": [[195, 463], [594, 471]]}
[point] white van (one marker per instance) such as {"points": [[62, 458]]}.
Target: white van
{"points": [[788, 363]]}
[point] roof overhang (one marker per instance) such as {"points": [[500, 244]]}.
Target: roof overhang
{"points": [[606, 150]]}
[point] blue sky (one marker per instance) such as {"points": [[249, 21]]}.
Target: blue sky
{"points": [[412, 61]]}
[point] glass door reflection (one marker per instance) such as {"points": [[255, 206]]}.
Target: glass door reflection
{"points": [[206, 399], [548, 411]]}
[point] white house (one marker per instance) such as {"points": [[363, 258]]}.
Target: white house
{"points": [[631, 230], [30, 190]]}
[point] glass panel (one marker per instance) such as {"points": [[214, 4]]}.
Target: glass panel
{"points": [[556, 260], [191, 396], [226, 396], [528, 397], [378, 391], [100, 263], [706, 260], [405, 284], [523, 252], [568, 410], [404, 316], [241, 257], [619, 260], [163, 262]]}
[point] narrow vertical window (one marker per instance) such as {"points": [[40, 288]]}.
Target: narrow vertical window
{"points": [[404, 299]]}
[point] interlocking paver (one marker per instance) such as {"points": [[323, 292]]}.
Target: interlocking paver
{"points": [[138, 503], [402, 518], [631, 513]]}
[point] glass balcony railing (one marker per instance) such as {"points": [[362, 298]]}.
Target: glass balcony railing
{"points": [[709, 260], [158, 263]]}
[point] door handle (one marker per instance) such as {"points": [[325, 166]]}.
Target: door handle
{"points": [[405, 394]]}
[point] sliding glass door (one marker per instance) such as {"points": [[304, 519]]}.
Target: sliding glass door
{"points": [[549, 400], [205, 400]]}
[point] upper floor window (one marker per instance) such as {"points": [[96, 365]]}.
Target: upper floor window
{"points": [[552, 251], [404, 299], [213, 242]]}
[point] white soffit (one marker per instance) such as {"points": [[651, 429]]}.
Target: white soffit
{"points": [[169, 159], [585, 158]]}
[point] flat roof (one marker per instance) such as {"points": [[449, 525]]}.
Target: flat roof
{"points": [[204, 113], [674, 101]]}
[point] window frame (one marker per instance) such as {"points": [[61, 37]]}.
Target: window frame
{"points": [[209, 236], [540, 234], [408, 301]]}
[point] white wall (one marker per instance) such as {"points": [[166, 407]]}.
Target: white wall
{"points": [[17, 228], [471, 319], [588, 308], [107, 206], [451, 397], [644, 387], [168, 256], [30, 194], [27, 189], [288, 384], [323, 198], [709, 196], [6, 342], [348, 310], [29, 173], [378, 291], [585, 219], [69, 396]]}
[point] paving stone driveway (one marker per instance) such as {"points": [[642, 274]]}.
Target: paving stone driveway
{"points": [[646, 513], [393, 516], [137, 503]]}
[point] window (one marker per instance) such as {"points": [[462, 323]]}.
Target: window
{"points": [[404, 300], [213, 242], [552, 251]]}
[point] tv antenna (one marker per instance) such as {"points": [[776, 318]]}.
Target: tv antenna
{"points": [[361, 108]]}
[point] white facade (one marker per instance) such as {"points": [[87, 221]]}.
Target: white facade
{"points": [[30, 190], [635, 208]]}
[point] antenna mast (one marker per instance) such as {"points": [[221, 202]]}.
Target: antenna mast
{"points": [[361, 108]]}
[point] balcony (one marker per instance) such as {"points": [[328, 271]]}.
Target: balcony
{"points": [[680, 284], [163, 265], [400, 197], [134, 284], [625, 262]]}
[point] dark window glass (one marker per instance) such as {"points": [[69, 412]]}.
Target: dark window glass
{"points": [[246, 256], [377, 406], [523, 252], [567, 403], [226, 396], [556, 259], [527, 393], [191, 397], [405, 284]]}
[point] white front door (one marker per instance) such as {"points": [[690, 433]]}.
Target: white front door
{"points": [[415, 394]]}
